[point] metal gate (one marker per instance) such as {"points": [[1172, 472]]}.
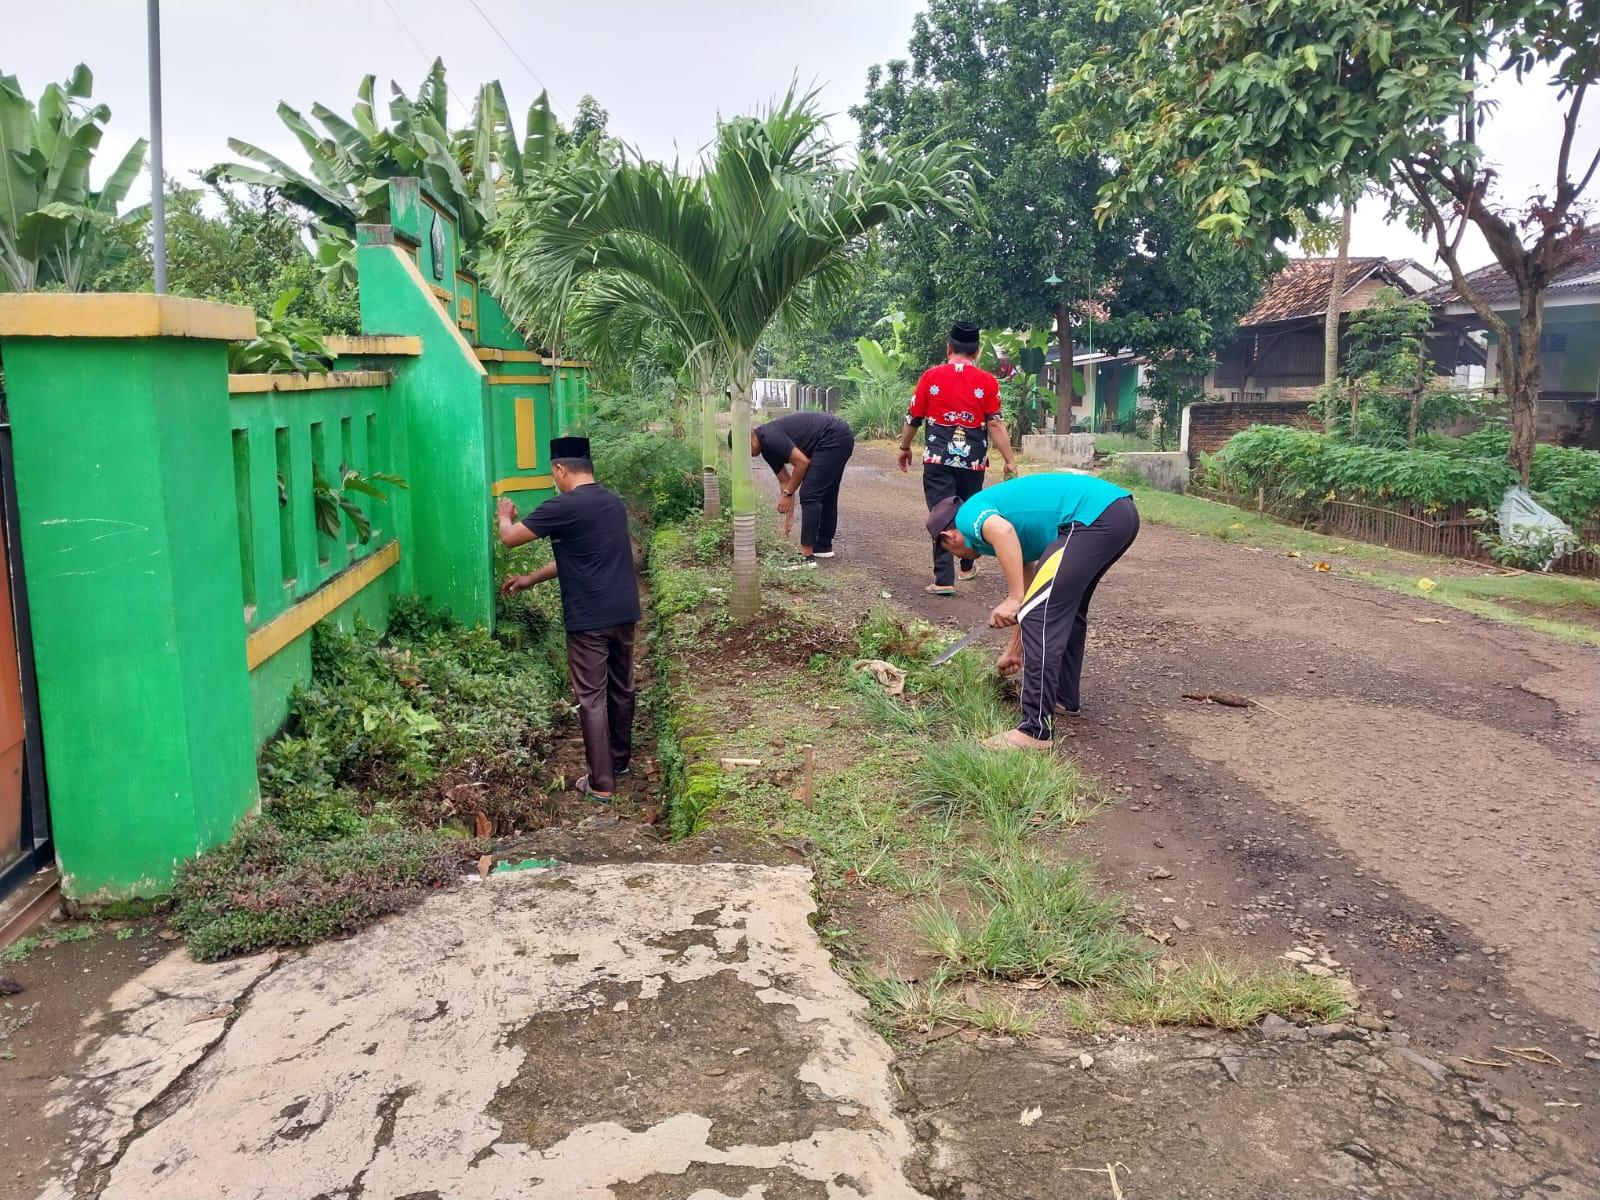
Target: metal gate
{"points": [[24, 817]]}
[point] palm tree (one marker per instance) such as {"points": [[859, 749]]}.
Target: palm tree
{"points": [[766, 225]]}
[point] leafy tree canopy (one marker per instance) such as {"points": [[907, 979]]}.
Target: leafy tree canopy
{"points": [[984, 70], [1254, 112]]}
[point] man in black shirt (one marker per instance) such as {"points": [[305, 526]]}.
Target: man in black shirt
{"points": [[807, 451], [588, 531]]}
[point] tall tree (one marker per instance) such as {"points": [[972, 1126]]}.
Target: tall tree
{"points": [[767, 222], [1255, 112], [982, 70]]}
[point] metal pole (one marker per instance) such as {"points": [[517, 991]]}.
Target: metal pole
{"points": [[158, 178]]}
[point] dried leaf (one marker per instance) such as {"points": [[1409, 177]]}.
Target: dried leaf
{"points": [[1029, 985], [484, 864], [972, 996], [1324, 567], [1030, 1115], [1293, 554], [485, 826], [1425, 584], [169, 935], [224, 1009], [1431, 620]]}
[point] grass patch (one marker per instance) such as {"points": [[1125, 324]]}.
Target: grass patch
{"points": [[1220, 994], [19, 950], [907, 805], [1033, 920], [399, 750], [1122, 443]]}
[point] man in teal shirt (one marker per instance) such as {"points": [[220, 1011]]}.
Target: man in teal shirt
{"points": [[1054, 536]]}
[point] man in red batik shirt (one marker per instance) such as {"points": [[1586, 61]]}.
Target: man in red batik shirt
{"points": [[960, 404]]}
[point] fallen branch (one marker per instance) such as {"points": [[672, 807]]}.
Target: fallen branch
{"points": [[1533, 1054], [1109, 1171], [1230, 700], [1482, 1062], [729, 763]]}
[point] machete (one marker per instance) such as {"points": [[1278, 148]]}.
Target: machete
{"points": [[952, 650]]}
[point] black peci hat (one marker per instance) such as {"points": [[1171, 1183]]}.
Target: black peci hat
{"points": [[965, 333], [942, 516], [569, 447]]}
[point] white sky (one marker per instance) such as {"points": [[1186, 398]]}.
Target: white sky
{"points": [[663, 71]]}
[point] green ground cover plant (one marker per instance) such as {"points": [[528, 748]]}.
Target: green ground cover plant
{"points": [[398, 753]]}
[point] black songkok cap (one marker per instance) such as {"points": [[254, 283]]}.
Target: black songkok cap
{"points": [[942, 516], [569, 447], [964, 333]]}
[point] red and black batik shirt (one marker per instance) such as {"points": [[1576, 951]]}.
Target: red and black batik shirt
{"points": [[956, 400]]}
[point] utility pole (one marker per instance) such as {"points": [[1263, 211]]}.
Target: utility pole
{"points": [[158, 178]]}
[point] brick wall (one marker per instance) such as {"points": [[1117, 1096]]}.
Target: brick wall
{"points": [[1210, 424]]}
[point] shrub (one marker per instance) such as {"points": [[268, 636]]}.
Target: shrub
{"points": [[1301, 467], [355, 818], [656, 474]]}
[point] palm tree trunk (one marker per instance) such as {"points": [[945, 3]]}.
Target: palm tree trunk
{"points": [[1330, 337], [712, 505], [746, 598]]}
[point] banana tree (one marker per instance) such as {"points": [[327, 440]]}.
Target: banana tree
{"points": [[55, 228], [351, 160], [766, 225]]}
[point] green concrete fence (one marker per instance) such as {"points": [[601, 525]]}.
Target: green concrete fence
{"points": [[173, 563]]}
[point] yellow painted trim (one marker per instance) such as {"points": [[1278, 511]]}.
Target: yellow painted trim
{"points": [[527, 380], [442, 293], [287, 626], [496, 354], [527, 433], [122, 315], [567, 362], [374, 343], [412, 269], [245, 384], [522, 483]]}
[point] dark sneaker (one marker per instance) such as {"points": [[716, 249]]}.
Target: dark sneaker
{"points": [[808, 563], [828, 553]]}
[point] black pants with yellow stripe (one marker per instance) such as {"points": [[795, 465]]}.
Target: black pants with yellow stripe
{"points": [[1055, 613]]}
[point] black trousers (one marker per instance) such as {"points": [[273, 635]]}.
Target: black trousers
{"points": [[1055, 614], [819, 493], [600, 662], [940, 482]]}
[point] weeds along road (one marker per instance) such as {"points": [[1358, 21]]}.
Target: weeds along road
{"points": [[1419, 795]]}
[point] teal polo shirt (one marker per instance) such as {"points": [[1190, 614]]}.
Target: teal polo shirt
{"points": [[1038, 507]]}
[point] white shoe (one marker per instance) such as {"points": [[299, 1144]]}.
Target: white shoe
{"points": [[824, 554]]}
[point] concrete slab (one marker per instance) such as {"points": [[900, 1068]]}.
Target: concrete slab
{"points": [[622, 1031]]}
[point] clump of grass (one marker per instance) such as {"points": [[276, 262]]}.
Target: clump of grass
{"points": [[899, 1006], [993, 1017], [1221, 994], [883, 633], [1034, 920], [967, 694], [1013, 793]]}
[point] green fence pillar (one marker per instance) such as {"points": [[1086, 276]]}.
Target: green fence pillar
{"points": [[442, 398], [125, 490]]}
